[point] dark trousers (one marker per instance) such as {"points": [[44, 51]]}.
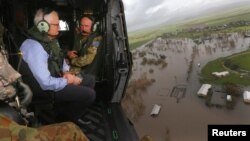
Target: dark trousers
{"points": [[87, 79], [72, 101]]}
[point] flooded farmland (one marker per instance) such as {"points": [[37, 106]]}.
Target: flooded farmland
{"points": [[166, 72]]}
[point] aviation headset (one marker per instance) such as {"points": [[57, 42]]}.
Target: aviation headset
{"points": [[43, 26]]}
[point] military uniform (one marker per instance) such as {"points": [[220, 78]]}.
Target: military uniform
{"points": [[7, 74], [10, 85], [87, 48], [66, 131]]}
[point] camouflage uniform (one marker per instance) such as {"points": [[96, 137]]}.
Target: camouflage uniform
{"points": [[7, 74], [86, 52], [66, 131]]}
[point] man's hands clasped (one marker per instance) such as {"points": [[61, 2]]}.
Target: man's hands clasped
{"points": [[72, 79]]}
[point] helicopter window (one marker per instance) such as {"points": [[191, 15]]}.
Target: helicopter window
{"points": [[63, 25]]}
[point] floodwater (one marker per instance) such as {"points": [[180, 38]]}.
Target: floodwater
{"points": [[174, 82]]}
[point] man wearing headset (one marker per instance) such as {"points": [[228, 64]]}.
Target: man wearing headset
{"points": [[83, 58], [11, 124], [46, 61]]}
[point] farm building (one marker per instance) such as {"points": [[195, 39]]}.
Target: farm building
{"points": [[220, 74], [155, 110], [246, 96], [229, 98], [204, 90]]}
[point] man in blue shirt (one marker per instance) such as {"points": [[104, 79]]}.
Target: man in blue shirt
{"points": [[48, 66]]}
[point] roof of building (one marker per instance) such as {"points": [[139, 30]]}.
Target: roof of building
{"points": [[204, 89]]}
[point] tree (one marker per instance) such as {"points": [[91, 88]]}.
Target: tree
{"points": [[232, 89]]}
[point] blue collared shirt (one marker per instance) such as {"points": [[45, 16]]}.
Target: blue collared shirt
{"points": [[37, 59]]}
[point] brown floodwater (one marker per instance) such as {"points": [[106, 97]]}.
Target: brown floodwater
{"points": [[171, 67]]}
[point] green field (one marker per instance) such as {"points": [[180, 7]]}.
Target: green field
{"points": [[241, 59], [139, 38], [224, 17]]}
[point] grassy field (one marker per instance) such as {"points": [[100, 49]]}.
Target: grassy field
{"points": [[236, 14], [241, 59], [139, 38]]}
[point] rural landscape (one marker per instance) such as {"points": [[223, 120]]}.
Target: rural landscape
{"points": [[171, 62]]}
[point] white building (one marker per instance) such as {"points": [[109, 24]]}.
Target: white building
{"points": [[156, 109], [204, 90], [221, 74], [229, 98], [246, 96]]}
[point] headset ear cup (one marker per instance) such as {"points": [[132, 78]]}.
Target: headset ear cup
{"points": [[93, 23], [43, 26], [78, 24], [92, 27]]}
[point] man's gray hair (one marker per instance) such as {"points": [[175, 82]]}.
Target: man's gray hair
{"points": [[40, 15]]}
